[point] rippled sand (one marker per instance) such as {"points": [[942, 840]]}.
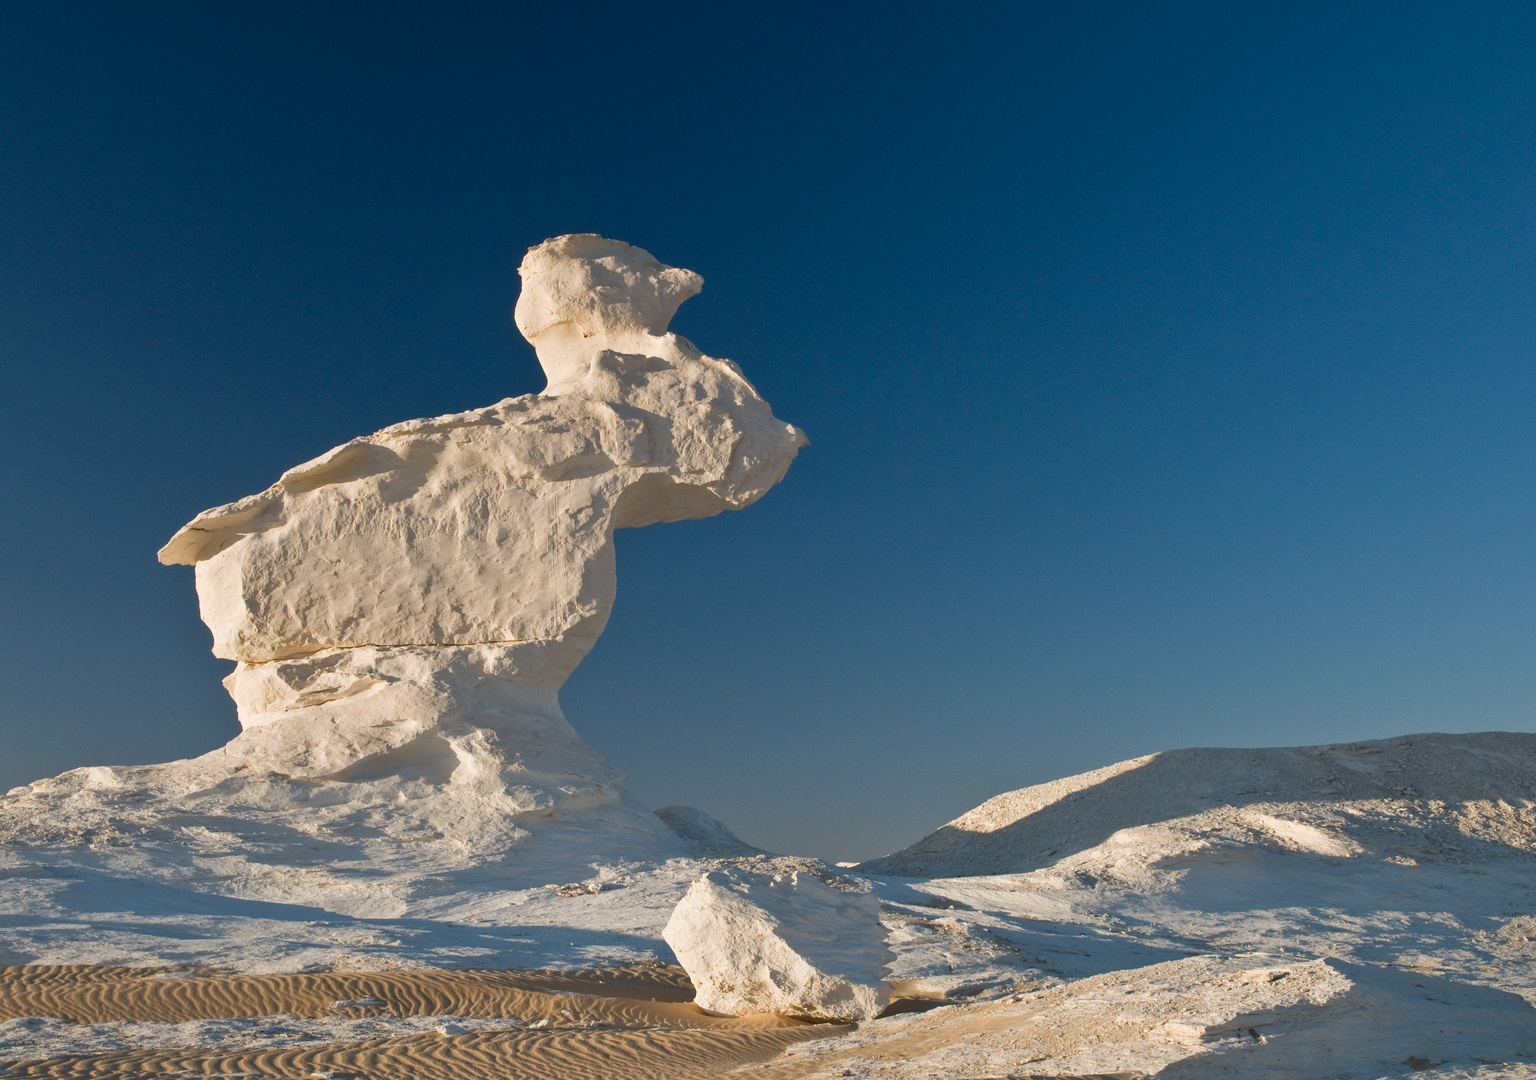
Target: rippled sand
{"points": [[633, 1022]]}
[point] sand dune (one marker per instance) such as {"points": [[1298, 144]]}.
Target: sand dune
{"points": [[638, 994], [619, 1055], [631, 1022]]}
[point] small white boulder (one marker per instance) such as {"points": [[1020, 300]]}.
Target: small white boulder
{"points": [[781, 943]]}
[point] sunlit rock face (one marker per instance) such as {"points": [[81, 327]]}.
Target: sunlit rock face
{"points": [[457, 569], [496, 526]]}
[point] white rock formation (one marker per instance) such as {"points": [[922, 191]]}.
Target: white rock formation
{"points": [[450, 573], [781, 943], [403, 611]]}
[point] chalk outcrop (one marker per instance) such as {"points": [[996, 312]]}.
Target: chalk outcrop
{"points": [[403, 610], [781, 943], [455, 570], [1205, 1017]]}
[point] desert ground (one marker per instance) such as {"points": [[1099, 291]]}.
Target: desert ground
{"points": [[1362, 910]]}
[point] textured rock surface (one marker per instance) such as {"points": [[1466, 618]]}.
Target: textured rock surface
{"points": [[457, 569], [496, 525], [1201, 1018], [782, 943]]}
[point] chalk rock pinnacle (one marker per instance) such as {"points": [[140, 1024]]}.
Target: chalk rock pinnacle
{"points": [[455, 570]]}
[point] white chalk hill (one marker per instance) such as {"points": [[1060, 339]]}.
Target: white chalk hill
{"points": [[1399, 798], [1363, 909]]}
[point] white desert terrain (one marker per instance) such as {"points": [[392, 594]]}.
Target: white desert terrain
{"points": [[408, 864], [1359, 910]]}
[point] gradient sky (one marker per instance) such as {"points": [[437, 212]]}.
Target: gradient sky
{"points": [[1168, 368]]}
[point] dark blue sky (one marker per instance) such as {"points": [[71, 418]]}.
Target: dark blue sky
{"points": [[1168, 369]]}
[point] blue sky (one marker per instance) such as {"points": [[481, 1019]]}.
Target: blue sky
{"points": [[1168, 369]]}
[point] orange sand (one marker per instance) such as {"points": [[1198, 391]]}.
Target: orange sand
{"points": [[615, 1024]]}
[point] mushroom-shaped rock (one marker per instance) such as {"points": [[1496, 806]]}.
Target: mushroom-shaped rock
{"points": [[454, 570], [403, 610], [781, 943]]}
